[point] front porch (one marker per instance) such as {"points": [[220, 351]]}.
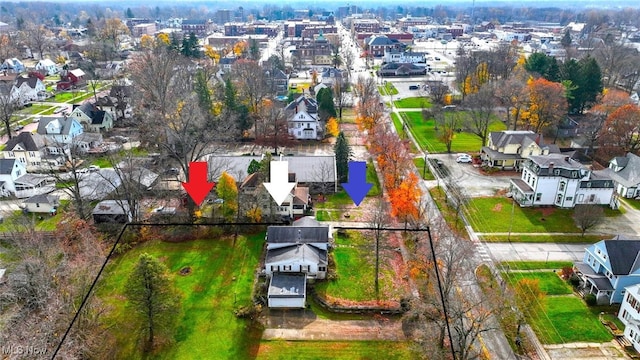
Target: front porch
{"points": [[594, 283], [500, 160], [521, 192]]}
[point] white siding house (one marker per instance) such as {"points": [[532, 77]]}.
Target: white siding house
{"points": [[629, 314], [287, 291], [558, 180], [10, 170], [304, 126], [48, 66]]}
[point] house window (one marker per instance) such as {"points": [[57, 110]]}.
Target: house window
{"points": [[322, 268], [275, 268], [37, 204], [556, 172], [562, 186], [608, 274], [286, 268], [569, 198], [592, 198], [559, 199], [538, 196]]}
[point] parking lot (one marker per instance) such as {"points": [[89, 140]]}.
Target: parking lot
{"points": [[471, 180]]}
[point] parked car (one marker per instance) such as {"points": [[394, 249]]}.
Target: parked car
{"points": [[464, 158], [93, 168], [414, 87]]}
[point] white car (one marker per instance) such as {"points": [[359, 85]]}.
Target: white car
{"points": [[464, 158]]}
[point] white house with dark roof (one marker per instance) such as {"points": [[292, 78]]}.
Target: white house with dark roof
{"points": [[43, 203], [625, 171], [303, 120], [48, 66], [253, 193], [608, 267], [559, 180], [29, 185], [294, 255], [508, 149], [29, 89], [13, 65]]}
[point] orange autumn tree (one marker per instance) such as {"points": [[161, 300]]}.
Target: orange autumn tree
{"points": [[619, 133], [405, 199], [547, 104], [393, 158]]}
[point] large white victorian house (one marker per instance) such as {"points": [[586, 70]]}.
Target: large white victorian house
{"points": [[559, 180], [303, 120]]}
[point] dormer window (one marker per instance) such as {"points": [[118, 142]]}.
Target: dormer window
{"points": [[562, 185], [556, 172]]}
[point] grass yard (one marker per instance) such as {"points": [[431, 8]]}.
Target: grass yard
{"points": [[567, 320], [427, 137], [535, 265], [549, 281], [348, 116], [451, 216], [413, 103], [328, 215], [387, 89], [546, 238], [64, 97], [220, 281], [372, 178], [494, 214], [335, 201], [397, 124], [330, 350], [35, 109], [354, 259], [19, 221], [632, 202], [419, 162]]}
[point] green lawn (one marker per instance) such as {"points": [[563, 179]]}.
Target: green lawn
{"points": [[63, 97], [632, 202], [549, 281], [397, 124], [372, 178], [330, 350], [567, 320], [535, 265], [413, 103], [388, 89], [354, 258], [348, 115], [34, 109], [18, 221], [328, 215], [221, 280], [335, 201], [494, 214], [547, 238], [428, 138], [424, 172]]}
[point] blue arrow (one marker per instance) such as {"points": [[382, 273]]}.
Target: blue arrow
{"points": [[357, 187]]}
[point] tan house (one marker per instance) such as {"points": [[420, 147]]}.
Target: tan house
{"points": [[92, 118], [44, 204], [253, 193], [26, 149], [508, 149]]}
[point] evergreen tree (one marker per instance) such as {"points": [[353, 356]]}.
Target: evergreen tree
{"points": [[343, 154], [129, 14], [201, 87], [254, 49], [566, 39], [590, 85], [546, 66], [152, 298], [326, 107], [174, 44]]}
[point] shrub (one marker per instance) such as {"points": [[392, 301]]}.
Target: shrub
{"points": [[574, 280], [566, 272], [590, 299]]}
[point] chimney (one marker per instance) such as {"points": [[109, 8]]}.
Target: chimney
{"points": [[567, 158], [551, 167], [537, 140]]}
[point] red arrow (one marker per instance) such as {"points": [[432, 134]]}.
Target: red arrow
{"points": [[198, 187]]}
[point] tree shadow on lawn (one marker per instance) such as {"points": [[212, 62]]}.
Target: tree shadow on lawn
{"points": [[550, 220]]}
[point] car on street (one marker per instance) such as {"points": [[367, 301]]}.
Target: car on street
{"points": [[414, 87], [464, 158]]}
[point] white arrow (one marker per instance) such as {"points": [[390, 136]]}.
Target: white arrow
{"points": [[279, 187]]}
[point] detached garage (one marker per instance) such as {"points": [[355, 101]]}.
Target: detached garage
{"points": [[287, 291]]}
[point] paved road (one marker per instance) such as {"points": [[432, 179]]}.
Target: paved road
{"points": [[535, 251]]}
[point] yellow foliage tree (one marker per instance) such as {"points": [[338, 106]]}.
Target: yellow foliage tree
{"points": [[61, 60], [211, 53], [147, 41], [448, 99], [240, 48], [164, 37], [255, 214], [332, 127]]}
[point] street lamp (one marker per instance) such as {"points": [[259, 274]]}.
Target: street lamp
{"points": [[424, 168]]}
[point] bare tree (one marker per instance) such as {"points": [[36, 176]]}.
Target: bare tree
{"points": [[8, 107], [588, 216], [438, 92], [323, 176], [480, 110], [39, 39], [274, 128], [252, 86], [448, 123], [339, 97], [366, 91], [348, 59], [378, 219]]}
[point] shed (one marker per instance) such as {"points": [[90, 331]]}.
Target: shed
{"points": [[112, 211], [44, 204]]}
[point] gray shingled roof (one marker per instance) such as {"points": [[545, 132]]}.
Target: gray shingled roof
{"points": [[45, 120], [26, 140], [31, 81], [306, 168], [6, 166], [622, 255], [281, 284], [629, 176], [43, 199], [310, 103], [297, 252], [504, 138], [558, 160], [295, 234]]}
